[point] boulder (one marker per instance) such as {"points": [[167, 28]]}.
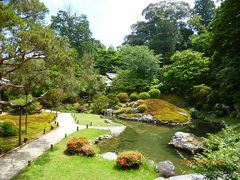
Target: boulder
{"points": [[188, 142], [165, 168], [150, 162], [109, 155], [135, 104], [148, 118], [108, 121]]}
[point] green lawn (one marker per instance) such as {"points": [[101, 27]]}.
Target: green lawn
{"points": [[54, 164], [96, 120], [36, 124]]}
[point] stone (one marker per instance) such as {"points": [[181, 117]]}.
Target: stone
{"points": [[108, 121], [165, 168], [135, 105], [188, 142], [147, 118], [109, 156], [185, 177]]}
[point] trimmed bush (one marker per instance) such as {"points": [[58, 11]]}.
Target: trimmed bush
{"points": [[130, 159], [123, 97], [87, 150], [141, 108], [154, 93], [126, 110], [75, 144], [100, 104], [144, 95], [134, 96], [9, 128]]}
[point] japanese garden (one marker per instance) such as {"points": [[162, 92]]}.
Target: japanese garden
{"points": [[164, 104]]}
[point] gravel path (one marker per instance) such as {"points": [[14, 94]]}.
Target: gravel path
{"points": [[12, 163]]}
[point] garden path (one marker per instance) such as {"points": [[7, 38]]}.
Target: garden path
{"points": [[13, 162]]}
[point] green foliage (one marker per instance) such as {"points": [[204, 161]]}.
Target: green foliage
{"points": [[74, 145], [201, 93], [99, 104], [164, 29], [141, 108], [205, 9], [9, 128], [123, 97], [222, 157], [154, 93], [134, 96], [144, 95], [140, 67], [130, 159], [188, 68]]}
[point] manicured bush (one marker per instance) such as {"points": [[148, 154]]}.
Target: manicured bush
{"points": [[134, 96], [123, 97], [130, 159], [87, 150], [99, 104], [9, 128], [141, 108], [154, 93], [75, 144], [144, 95], [126, 110]]}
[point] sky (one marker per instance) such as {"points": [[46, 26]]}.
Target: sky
{"points": [[110, 20]]}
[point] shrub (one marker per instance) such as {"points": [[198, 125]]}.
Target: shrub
{"points": [[144, 95], [141, 108], [100, 104], [126, 110], [130, 159], [123, 97], [154, 93], [134, 96], [87, 150], [9, 129], [75, 144]]}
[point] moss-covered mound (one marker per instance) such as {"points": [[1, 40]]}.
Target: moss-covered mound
{"points": [[164, 111]]}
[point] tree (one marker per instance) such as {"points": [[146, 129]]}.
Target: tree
{"points": [[23, 40], [107, 60], [91, 80], [225, 45], [188, 68], [75, 28], [205, 9], [164, 29], [140, 68]]}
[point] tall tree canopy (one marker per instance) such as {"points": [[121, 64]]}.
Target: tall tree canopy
{"points": [[75, 28], [24, 39], [205, 9], [164, 29], [140, 68]]}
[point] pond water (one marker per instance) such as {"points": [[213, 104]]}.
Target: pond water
{"points": [[153, 141]]}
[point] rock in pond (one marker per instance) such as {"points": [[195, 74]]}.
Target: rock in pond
{"points": [[188, 142], [165, 168], [108, 121], [184, 177], [109, 155]]}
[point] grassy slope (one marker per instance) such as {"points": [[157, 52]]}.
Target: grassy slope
{"points": [[165, 111], [36, 124], [85, 119], [54, 164]]}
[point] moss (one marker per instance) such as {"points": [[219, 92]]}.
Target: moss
{"points": [[162, 110]]}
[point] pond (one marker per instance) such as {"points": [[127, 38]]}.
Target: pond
{"points": [[153, 141]]}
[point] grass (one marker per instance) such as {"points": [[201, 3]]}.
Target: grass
{"points": [[96, 120], [162, 110], [54, 164], [36, 124]]}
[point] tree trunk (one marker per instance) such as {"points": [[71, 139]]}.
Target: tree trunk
{"points": [[26, 116], [20, 128]]}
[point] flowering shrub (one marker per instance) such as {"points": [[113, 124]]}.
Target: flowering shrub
{"points": [[142, 108], [87, 150], [74, 145], [130, 159]]}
